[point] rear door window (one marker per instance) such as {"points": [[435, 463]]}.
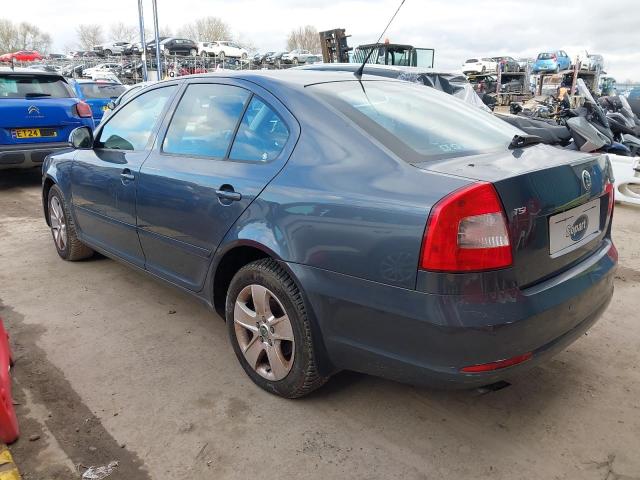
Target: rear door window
{"points": [[33, 86], [131, 127], [205, 120]]}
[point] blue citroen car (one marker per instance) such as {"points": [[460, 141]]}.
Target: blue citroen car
{"points": [[98, 94], [38, 112], [551, 62], [337, 223]]}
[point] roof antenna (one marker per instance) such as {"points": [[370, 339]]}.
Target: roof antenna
{"points": [[358, 73]]}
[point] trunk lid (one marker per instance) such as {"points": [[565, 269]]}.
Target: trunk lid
{"points": [[534, 185]]}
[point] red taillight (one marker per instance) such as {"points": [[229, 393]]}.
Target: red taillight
{"points": [[83, 110], [488, 367], [467, 231], [611, 192]]}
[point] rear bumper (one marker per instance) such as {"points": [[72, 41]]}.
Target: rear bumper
{"points": [[544, 68], [425, 339], [28, 155]]}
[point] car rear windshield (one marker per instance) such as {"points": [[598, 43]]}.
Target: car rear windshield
{"points": [[416, 122], [545, 56], [102, 90], [14, 85], [472, 60]]}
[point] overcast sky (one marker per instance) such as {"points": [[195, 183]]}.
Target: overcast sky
{"points": [[457, 29]]}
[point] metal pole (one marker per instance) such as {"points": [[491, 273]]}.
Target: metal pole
{"points": [[157, 33], [574, 80], [142, 40]]}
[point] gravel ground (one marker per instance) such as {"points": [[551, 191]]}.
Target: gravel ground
{"points": [[114, 366]]}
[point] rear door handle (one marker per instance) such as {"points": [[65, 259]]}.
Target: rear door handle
{"points": [[127, 175], [229, 195]]}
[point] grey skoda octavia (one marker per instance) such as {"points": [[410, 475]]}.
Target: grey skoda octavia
{"points": [[373, 225]]}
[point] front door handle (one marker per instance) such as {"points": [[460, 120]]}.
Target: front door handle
{"points": [[127, 175], [229, 195]]}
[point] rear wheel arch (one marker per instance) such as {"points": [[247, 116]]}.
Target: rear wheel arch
{"points": [[230, 263], [46, 187]]}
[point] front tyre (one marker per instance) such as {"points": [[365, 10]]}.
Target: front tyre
{"points": [[63, 229], [270, 331]]}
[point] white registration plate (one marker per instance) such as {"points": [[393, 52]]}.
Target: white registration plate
{"points": [[568, 230]]}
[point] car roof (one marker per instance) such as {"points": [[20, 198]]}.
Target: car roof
{"points": [[291, 78], [373, 69]]}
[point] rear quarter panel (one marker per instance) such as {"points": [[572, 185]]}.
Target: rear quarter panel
{"points": [[343, 203]]}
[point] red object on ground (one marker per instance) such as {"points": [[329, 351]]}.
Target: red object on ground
{"points": [[9, 431]]}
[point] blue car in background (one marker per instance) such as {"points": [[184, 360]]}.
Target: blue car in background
{"points": [[551, 62], [98, 94], [38, 111]]}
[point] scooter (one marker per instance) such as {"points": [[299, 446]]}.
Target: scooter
{"points": [[587, 126], [624, 124]]}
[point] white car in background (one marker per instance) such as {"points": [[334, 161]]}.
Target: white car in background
{"points": [[479, 65], [101, 68], [593, 62], [221, 49], [111, 48], [297, 56]]}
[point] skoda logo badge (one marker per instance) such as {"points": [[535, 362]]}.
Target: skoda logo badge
{"points": [[579, 228], [33, 110], [586, 180]]}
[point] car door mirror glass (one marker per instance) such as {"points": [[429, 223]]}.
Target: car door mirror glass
{"points": [[111, 105], [81, 138]]}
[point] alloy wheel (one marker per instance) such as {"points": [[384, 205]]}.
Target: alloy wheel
{"points": [[58, 223], [264, 332]]}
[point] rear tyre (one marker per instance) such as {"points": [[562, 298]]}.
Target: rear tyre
{"points": [[204, 54], [244, 56], [295, 61], [63, 229], [108, 53], [270, 330], [221, 56], [193, 52]]}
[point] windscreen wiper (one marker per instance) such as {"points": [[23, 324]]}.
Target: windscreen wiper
{"points": [[521, 141], [36, 95]]}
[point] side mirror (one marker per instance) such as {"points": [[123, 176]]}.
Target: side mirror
{"points": [[81, 138], [111, 105]]}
